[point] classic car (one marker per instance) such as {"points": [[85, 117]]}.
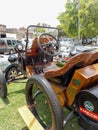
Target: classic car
{"points": [[10, 69], [72, 87]]}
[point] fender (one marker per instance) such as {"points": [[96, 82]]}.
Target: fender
{"points": [[10, 66]]}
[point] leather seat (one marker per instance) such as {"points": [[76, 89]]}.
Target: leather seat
{"points": [[93, 58], [60, 74]]}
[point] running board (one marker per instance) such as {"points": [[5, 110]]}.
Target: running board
{"points": [[30, 120]]}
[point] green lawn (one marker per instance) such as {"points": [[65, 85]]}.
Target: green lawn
{"points": [[10, 118]]}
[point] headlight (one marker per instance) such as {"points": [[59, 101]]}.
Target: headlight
{"points": [[19, 47]]}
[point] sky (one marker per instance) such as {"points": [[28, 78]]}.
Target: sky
{"points": [[22, 13]]}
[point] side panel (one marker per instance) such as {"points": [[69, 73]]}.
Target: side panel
{"points": [[82, 78]]}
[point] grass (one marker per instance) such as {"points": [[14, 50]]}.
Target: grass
{"points": [[10, 118]]}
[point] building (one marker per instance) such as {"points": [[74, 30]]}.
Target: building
{"points": [[2, 30], [14, 32]]}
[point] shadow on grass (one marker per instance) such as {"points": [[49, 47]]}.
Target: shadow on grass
{"points": [[5, 100], [18, 91], [17, 81], [25, 128]]}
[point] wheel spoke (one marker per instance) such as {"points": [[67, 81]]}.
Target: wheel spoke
{"points": [[12, 73], [36, 94]]}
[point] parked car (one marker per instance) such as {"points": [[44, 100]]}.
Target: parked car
{"points": [[77, 49], [10, 69], [66, 41], [7, 45]]}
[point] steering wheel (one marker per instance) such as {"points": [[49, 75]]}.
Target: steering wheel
{"points": [[50, 46]]}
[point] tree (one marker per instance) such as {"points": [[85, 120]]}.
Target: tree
{"points": [[89, 18], [80, 16]]}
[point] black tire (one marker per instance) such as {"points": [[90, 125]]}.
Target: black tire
{"points": [[38, 90], [11, 73], [3, 86]]}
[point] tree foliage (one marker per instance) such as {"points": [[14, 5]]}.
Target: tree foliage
{"points": [[80, 17]]}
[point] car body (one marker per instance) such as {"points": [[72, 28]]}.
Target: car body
{"points": [[9, 69], [73, 84], [4, 63]]}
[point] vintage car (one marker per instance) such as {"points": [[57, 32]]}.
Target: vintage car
{"points": [[10, 69], [72, 87]]}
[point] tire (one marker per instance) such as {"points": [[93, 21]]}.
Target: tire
{"points": [[3, 86], [11, 73], [43, 103]]}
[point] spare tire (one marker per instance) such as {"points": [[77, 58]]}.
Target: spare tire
{"points": [[87, 106]]}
